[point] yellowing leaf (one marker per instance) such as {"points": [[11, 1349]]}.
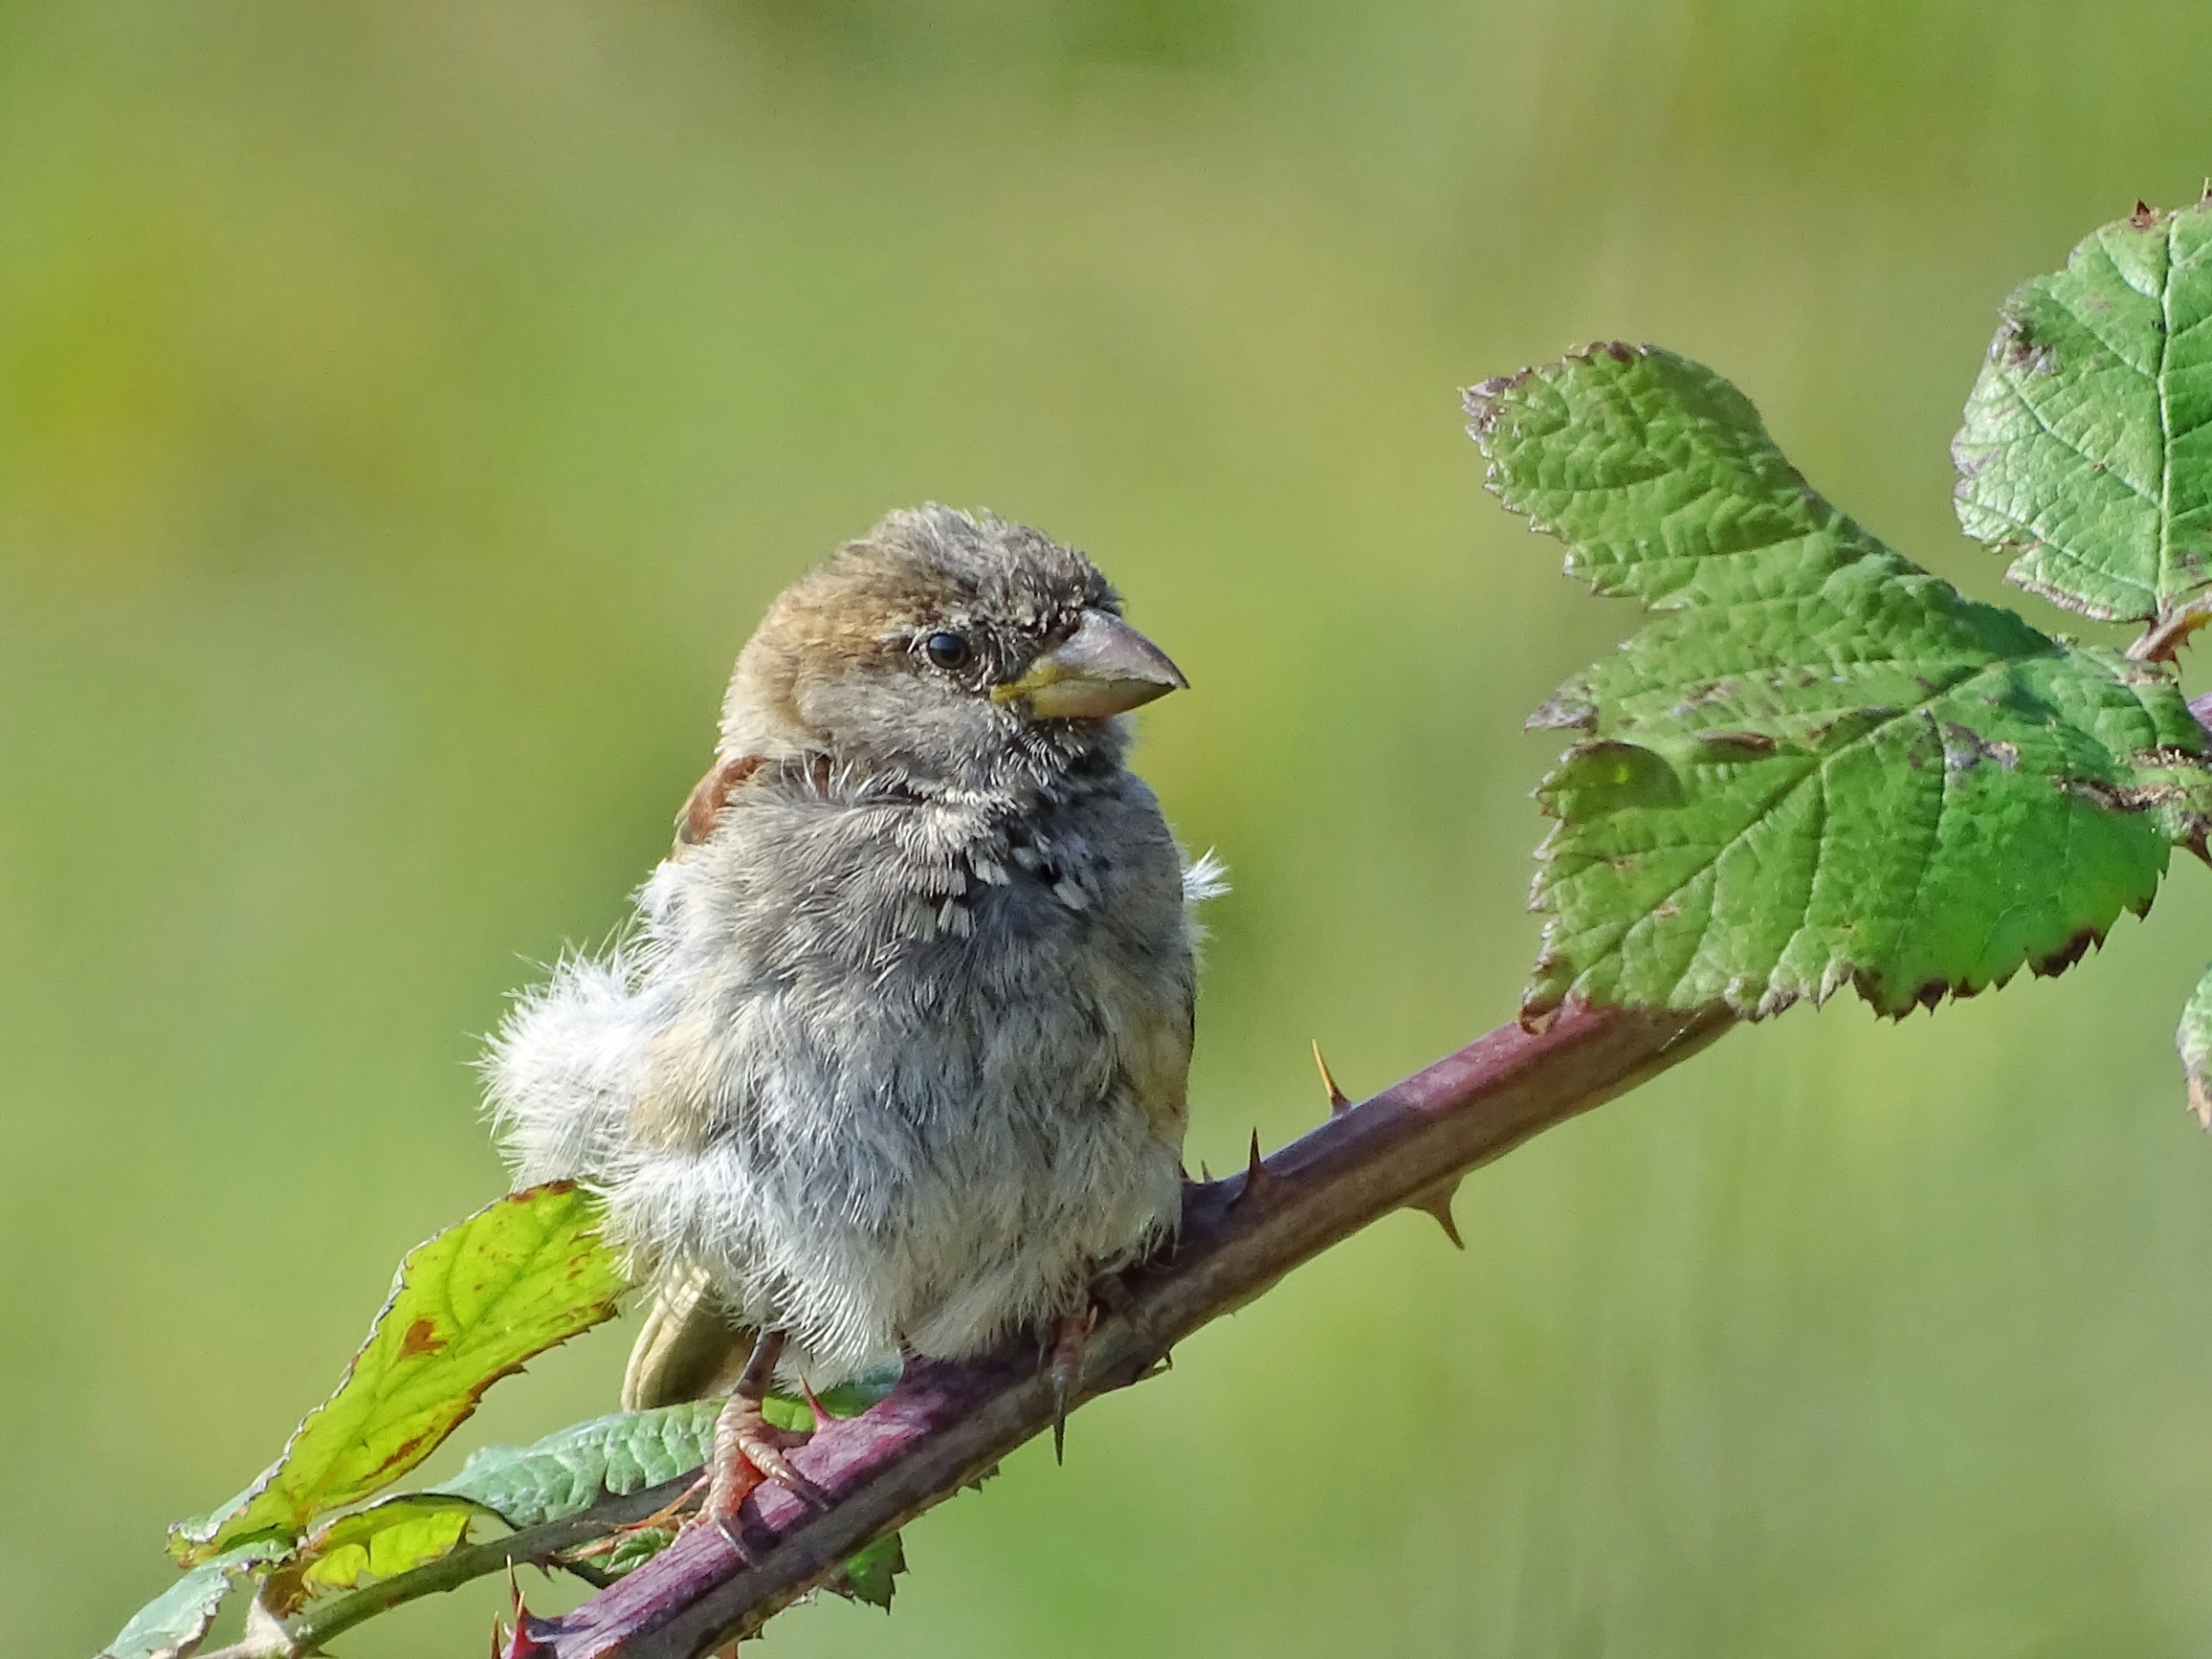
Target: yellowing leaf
{"points": [[377, 1542], [469, 1307]]}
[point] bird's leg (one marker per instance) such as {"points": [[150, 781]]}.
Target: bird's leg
{"points": [[1110, 1293], [748, 1449], [1070, 1341], [1064, 1362]]}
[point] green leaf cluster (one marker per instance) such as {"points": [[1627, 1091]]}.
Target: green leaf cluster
{"points": [[1818, 764]]}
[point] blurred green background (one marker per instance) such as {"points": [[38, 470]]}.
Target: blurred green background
{"points": [[405, 410]]}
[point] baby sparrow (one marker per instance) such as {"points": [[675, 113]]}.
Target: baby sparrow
{"points": [[896, 1055]]}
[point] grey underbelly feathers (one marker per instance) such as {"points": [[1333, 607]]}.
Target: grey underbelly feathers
{"points": [[886, 1072]]}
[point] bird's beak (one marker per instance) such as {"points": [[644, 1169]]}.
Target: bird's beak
{"points": [[1104, 667]]}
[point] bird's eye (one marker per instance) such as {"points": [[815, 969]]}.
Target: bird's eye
{"points": [[948, 650]]}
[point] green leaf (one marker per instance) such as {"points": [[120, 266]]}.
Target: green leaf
{"points": [[868, 1575], [177, 1621], [1818, 764], [2194, 1041], [632, 1550], [551, 1479], [467, 1308], [2088, 443], [557, 1476], [627, 1452], [387, 1537]]}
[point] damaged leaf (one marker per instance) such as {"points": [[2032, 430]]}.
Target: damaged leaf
{"points": [[467, 1308], [2087, 450], [176, 1622], [1816, 764]]}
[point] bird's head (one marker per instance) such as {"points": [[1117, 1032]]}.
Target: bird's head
{"points": [[941, 649]]}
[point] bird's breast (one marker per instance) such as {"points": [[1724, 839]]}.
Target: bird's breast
{"points": [[890, 973]]}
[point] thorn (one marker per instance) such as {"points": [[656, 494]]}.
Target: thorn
{"points": [[1338, 1101], [814, 1404], [2208, 195], [1437, 1202], [519, 1643], [1205, 1174], [1537, 1020], [1258, 1178]]}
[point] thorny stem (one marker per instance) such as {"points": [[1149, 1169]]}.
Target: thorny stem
{"points": [[945, 1426]]}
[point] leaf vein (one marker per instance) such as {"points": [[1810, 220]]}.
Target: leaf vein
{"points": [[1781, 797], [2016, 384]]}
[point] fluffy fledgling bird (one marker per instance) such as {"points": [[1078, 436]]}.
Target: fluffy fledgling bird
{"points": [[896, 1054]]}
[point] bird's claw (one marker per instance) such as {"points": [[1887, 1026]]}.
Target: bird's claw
{"points": [[1069, 1343], [1071, 1338], [748, 1450], [1110, 1292]]}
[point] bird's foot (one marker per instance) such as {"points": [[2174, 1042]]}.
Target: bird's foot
{"points": [[750, 1450], [1108, 1291], [1063, 1366], [1067, 1345]]}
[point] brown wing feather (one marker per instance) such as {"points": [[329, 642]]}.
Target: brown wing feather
{"points": [[703, 808], [687, 1351]]}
